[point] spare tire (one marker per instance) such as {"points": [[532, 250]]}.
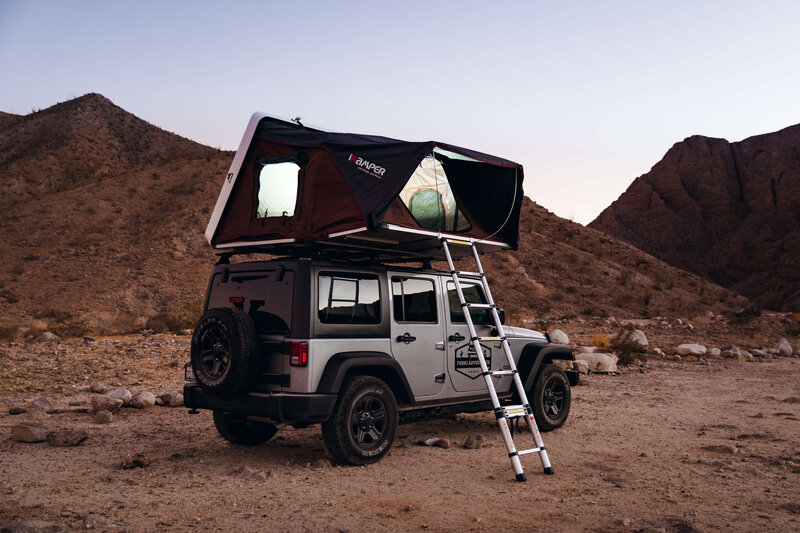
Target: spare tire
{"points": [[225, 351]]}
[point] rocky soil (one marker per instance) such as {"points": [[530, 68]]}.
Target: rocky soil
{"points": [[697, 444]]}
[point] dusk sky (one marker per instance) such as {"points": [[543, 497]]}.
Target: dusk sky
{"points": [[586, 95]]}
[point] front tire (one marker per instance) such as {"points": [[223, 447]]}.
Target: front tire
{"points": [[551, 399], [364, 422], [239, 430]]}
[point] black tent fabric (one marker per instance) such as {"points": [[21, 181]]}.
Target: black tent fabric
{"points": [[352, 180]]}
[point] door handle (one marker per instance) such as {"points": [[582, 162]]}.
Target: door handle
{"points": [[406, 338], [456, 338], [439, 378]]}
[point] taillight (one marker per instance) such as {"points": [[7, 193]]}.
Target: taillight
{"points": [[236, 299], [298, 354]]}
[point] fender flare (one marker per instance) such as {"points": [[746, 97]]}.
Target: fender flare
{"points": [[377, 364], [534, 356]]}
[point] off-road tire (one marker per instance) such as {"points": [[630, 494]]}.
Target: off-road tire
{"points": [[362, 427], [551, 398], [238, 430], [224, 352]]}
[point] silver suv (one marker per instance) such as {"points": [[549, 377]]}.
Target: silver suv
{"points": [[357, 347]]}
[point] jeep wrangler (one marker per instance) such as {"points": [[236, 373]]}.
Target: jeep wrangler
{"points": [[357, 347]]}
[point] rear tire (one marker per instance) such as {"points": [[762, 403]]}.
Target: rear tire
{"points": [[551, 398], [224, 351], [362, 428], [238, 430]]}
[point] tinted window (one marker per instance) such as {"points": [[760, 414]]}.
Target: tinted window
{"points": [[473, 294], [414, 300], [349, 298]]}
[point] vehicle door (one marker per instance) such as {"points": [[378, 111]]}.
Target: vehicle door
{"points": [[463, 365], [418, 331]]}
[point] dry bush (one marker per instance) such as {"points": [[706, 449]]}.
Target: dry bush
{"points": [[601, 340], [125, 322], [9, 332], [627, 350], [71, 326]]}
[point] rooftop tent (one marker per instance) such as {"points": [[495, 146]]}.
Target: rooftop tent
{"points": [[293, 188]]}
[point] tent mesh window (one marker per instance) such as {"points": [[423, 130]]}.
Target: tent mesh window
{"points": [[277, 189], [429, 198]]}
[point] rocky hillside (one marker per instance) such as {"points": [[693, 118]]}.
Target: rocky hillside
{"points": [[729, 212], [103, 220]]}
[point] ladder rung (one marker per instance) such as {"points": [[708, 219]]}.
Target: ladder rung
{"points": [[502, 372], [457, 241], [465, 274], [491, 338], [477, 306], [530, 450], [514, 411]]}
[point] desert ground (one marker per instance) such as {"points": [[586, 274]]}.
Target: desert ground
{"points": [[708, 445]]}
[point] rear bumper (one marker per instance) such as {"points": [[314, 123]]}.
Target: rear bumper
{"points": [[279, 407]]}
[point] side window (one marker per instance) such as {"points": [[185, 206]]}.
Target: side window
{"points": [[277, 189], [349, 298], [473, 294], [414, 300]]}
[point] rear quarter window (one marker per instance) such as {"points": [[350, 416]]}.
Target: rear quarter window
{"points": [[349, 298]]}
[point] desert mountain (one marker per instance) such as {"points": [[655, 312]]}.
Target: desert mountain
{"points": [[729, 212], [104, 213]]}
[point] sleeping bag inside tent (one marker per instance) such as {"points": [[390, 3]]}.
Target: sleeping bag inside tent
{"points": [[293, 187]]}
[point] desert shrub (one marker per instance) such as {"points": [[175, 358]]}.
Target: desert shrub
{"points": [[9, 296], [125, 322], [71, 326], [8, 332], [795, 317], [627, 350], [601, 340], [163, 322]]}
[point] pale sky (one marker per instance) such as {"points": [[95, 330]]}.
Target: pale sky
{"points": [[586, 95]]}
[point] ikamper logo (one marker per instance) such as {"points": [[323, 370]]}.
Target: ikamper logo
{"points": [[366, 166]]}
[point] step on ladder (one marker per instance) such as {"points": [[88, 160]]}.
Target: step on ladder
{"points": [[507, 412]]}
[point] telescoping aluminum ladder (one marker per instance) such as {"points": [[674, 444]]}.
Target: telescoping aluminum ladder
{"points": [[508, 412]]}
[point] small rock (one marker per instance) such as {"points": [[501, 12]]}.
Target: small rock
{"points": [[784, 348], [721, 448], [28, 433], [104, 417], [143, 400], [581, 366], [66, 437], [633, 336], [32, 526], [246, 472], [792, 507], [104, 403], [759, 353], [121, 394], [474, 441], [159, 401], [440, 443], [172, 399], [42, 404], [713, 352], [563, 364], [47, 337], [135, 460], [691, 349], [589, 349], [99, 388], [17, 410], [559, 337]]}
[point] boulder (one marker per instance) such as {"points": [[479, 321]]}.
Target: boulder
{"points": [[42, 404], [563, 364], [104, 403], [599, 362], [66, 437], [590, 349], [46, 337], [104, 417], [172, 399], [759, 353], [121, 394], [691, 349], [713, 352], [784, 348], [143, 400], [559, 337], [28, 433], [633, 336]]}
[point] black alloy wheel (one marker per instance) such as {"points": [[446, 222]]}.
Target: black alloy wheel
{"points": [[362, 427], [225, 351], [551, 398]]}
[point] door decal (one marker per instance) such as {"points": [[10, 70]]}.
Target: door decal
{"points": [[467, 362]]}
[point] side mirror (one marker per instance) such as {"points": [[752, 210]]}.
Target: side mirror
{"points": [[502, 315]]}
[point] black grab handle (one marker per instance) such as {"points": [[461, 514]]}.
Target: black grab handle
{"points": [[406, 338]]}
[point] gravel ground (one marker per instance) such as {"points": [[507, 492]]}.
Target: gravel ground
{"points": [[676, 447]]}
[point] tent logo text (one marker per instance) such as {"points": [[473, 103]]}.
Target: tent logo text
{"points": [[366, 166]]}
